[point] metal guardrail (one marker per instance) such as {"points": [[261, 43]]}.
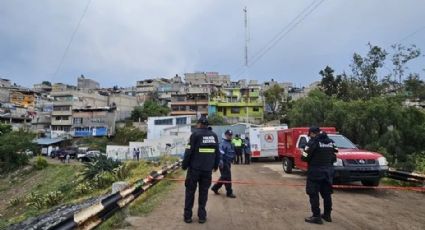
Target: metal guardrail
{"points": [[94, 215], [406, 176]]}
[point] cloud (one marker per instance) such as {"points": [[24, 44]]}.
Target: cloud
{"points": [[120, 42]]}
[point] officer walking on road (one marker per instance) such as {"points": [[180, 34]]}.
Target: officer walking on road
{"points": [[319, 153], [201, 157], [227, 151]]}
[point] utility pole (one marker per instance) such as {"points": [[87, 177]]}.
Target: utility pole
{"points": [[245, 10]]}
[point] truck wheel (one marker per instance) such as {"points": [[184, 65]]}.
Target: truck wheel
{"points": [[287, 165], [370, 182]]}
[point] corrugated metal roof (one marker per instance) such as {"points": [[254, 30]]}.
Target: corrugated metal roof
{"points": [[48, 141]]}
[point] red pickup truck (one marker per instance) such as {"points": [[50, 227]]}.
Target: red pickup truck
{"points": [[352, 164]]}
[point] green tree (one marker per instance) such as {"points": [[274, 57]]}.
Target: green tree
{"points": [[46, 83], [13, 145], [217, 120], [277, 102], [415, 87], [149, 109], [5, 129], [401, 56], [127, 134], [365, 71], [329, 83], [380, 124]]}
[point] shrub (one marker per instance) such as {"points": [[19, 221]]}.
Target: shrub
{"points": [[40, 163], [52, 198], [83, 188], [35, 200], [104, 179], [98, 165], [122, 172], [15, 201]]}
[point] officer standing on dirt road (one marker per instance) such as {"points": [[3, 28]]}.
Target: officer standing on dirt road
{"points": [[200, 158], [319, 153], [227, 151]]}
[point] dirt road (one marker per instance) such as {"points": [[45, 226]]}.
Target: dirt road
{"points": [[280, 207]]}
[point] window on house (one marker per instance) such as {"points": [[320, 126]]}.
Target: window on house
{"points": [[78, 120], [164, 122], [235, 110], [220, 109], [181, 121], [193, 108], [256, 109]]}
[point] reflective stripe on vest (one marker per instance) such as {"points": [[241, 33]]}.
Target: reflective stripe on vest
{"points": [[206, 150]]}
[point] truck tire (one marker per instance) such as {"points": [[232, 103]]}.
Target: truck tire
{"points": [[370, 182], [287, 165]]}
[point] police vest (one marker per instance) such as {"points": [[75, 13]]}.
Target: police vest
{"points": [[237, 142]]}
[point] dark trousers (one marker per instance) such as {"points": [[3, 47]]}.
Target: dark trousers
{"points": [[319, 180], [193, 178], [247, 158], [226, 175], [238, 152]]}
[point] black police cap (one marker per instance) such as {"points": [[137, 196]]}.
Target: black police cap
{"points": [[203, 121], [314, 129], [228, 132]]}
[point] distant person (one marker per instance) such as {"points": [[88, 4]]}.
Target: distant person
{"points": [[227, 151], [138, 154], [319, 154], [237, 142], [201, 157], [134, 154], [68, 157], [247, 151]]}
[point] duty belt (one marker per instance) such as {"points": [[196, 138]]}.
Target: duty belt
{"points": [[207, 150]]}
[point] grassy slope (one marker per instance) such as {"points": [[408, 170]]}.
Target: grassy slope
{"points": [[52, 178], [59, 177]]}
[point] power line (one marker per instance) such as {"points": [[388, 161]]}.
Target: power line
{"points": [[412, 34], [281, 34], [242, 69], [283, 30], [286, 33], [72, 38]]}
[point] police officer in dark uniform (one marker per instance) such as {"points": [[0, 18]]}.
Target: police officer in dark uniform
{"points": [[227, 151], [200, 158], [319, 153]]}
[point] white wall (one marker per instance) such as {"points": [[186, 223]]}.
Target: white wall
{"points": [[156, 131]]}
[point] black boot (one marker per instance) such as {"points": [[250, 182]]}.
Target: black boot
{"points": [[231, 195], [314, 220], [187, 220], [327, 217], [215, 191]]}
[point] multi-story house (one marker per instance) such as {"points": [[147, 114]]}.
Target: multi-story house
{"points": [[201, 78], [240, 104], [85, 83], [63, 105], [190, 101], [22, 98], [94, 122], [160, 88]]}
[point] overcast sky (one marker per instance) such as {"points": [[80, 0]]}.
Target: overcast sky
{"points": [[120, 42]]}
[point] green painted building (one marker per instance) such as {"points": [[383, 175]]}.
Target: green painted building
{"points": [[237, 105]]}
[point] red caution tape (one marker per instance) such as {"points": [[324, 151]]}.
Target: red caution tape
{"points": [[417, 189]]}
